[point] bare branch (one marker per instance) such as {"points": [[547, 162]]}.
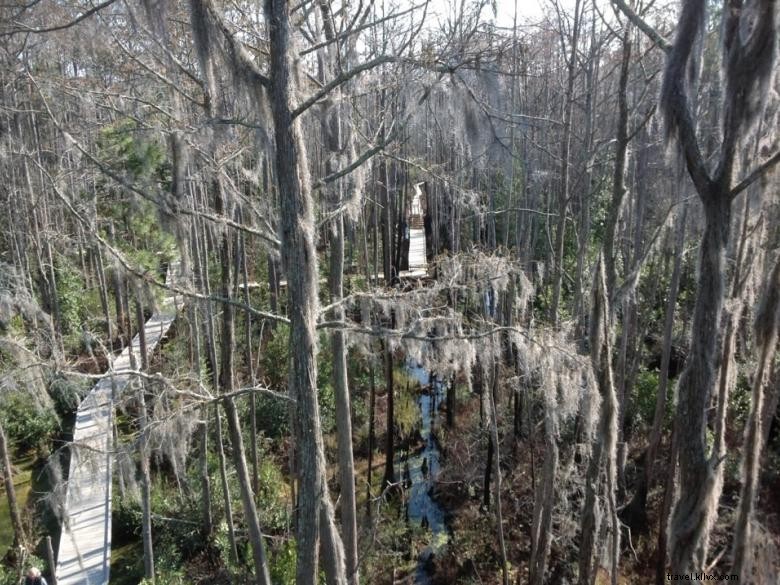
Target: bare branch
{"points": [[756, 174], [640, 23], [75, 21]]}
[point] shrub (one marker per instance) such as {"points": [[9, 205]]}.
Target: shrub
{"points": [[27, 426], [67, 394], [272, 495], [276, 356], [125, 518], [70, 295], [647, 383], [283, 559]]}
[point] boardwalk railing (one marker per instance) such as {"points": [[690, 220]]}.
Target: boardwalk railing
{"points": [[84, 554]]}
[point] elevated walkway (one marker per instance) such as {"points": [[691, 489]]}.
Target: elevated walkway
{"points": [[84, 554]]}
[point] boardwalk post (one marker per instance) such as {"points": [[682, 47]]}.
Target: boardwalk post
{"points": [[50, 561]]}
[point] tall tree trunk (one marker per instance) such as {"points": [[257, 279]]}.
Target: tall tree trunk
{"points": [[371, 440], [207, 522], [666, 508], [338, 139], [563, 194], [249, 363], [300, 261], [544, 500], [766, 326], [226, 387], [619, 170], [343, 410], [694, 511], [201, 264], [636, 511], [143, 447], [605, 443], [385, 199], [262, 575], [497, 470], [389, 478]]}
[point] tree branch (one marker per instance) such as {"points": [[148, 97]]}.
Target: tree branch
{"points": [[75, 21], [640, 23], [756, 174]]}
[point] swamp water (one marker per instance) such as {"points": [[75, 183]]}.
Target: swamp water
{"points": [[419, 472]]}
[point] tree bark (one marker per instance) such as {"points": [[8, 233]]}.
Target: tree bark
{"points": [[371, 440], [497, 482], [605, 443], [207, 522], [767, 322], [563, 196], [226, 386], [619, 172], [262, 574], [636, 511], [143, 447], [694, 511], [201, 265], [343, 410], [300, 261], [389, 478], [338, 138], [544, 500]]}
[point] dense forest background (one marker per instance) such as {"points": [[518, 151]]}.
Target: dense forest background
{"points": [[421, 292]]}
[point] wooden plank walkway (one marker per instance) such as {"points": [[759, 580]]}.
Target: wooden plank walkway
{"points": [[418, 260], [84, 554], [418, 264]]}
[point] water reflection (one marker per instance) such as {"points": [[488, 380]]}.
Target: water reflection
{"points": [[420, 469]]}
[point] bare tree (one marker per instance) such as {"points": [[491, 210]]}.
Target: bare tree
{"points": [[748, 57]]}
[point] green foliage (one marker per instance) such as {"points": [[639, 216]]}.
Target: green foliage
{"points": [[8, 576], [272, 413], [407, 414], [27, 426], [140, 235], [123, 149], [66, 393], [276, 357], [282, 565], [143, 240], [15, 326], [176, 535], [70, 294], [393, 538], [646, 389], [273, 416], [166, 577], [222, 542], [125, 518], [272, 496], [325, 392], [360, 384], [739, 400], [506, 223]]}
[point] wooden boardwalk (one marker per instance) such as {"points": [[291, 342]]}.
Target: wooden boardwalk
{"points": [[418, 265], [418, 260], [84, 554]]}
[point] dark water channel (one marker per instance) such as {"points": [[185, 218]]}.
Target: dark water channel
{"points": [[420, 469]]}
